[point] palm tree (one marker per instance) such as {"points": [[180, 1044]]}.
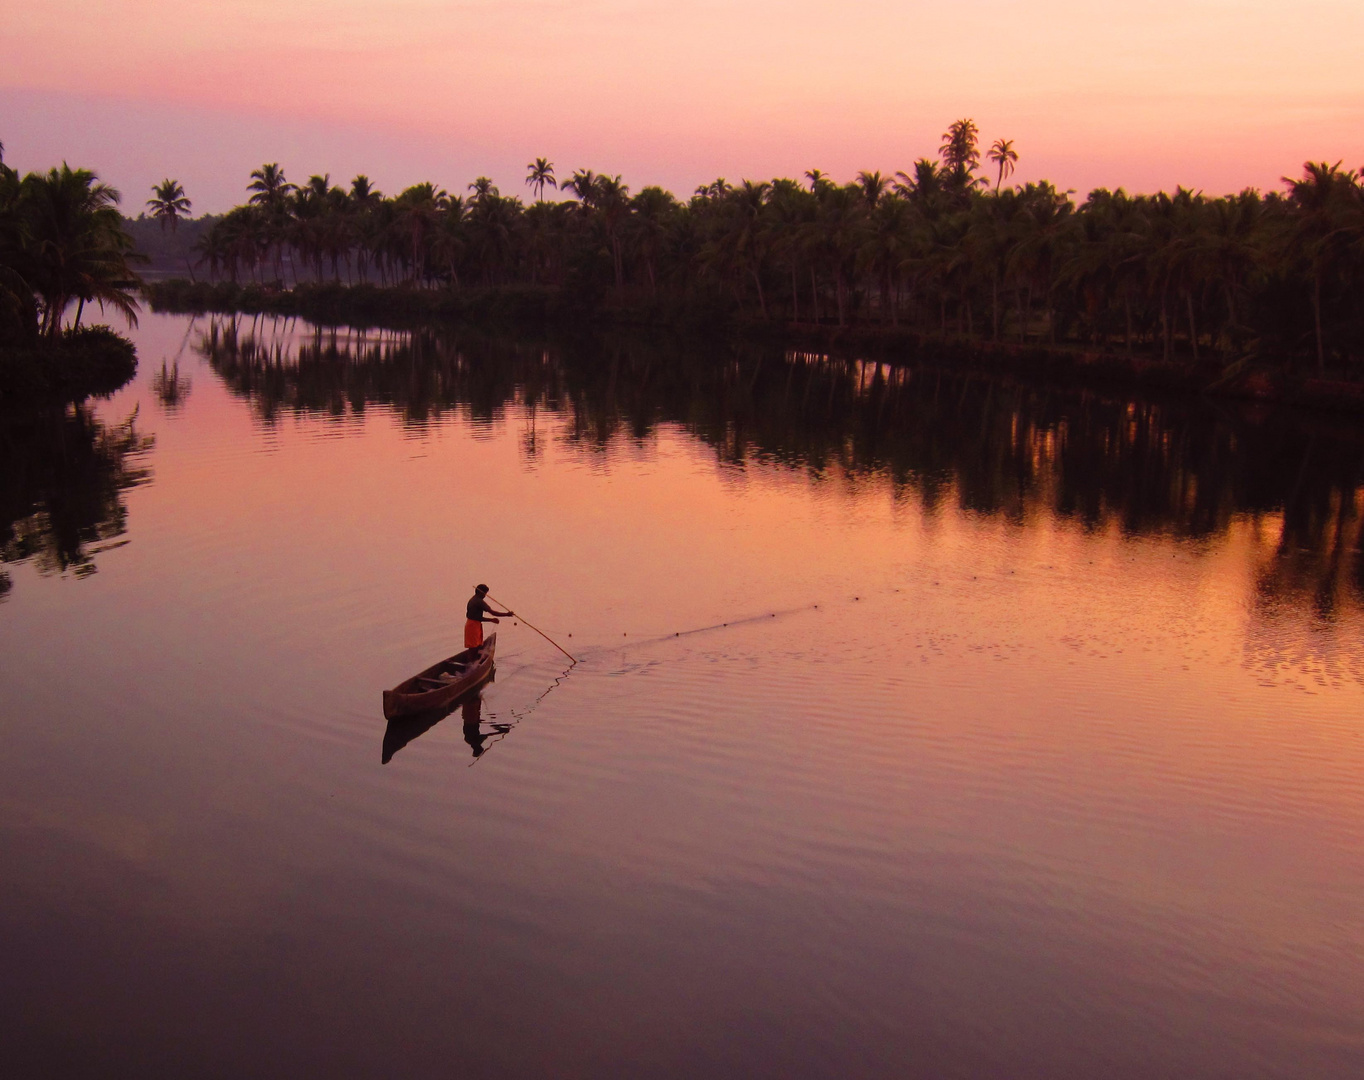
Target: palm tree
{"points": [[873, 186], [268, 186], [78, 247], [792, 209], [959, 151], [18, 308], [1044, 235], [419, 209], [716, 189], [271, 191], [924, 186], [819, 180], [741, 245], [363, 192], [1002, 153], [887, 248], [483, 188], [539, 173], [612, 200], [654, 211], [168, 203], [839, 221], [583, 184], [364, 199], [1321, 198]]}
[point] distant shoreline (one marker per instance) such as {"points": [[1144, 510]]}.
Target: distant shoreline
{"points": [[547, 309]]}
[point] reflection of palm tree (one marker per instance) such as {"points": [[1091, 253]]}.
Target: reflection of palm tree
{"points": [[1002, 153], [168, 203], [63, 495], [539, 173], [170, 387]]}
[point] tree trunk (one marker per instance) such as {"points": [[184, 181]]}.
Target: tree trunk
{"points": [[1164, 327], [1193, 327], [1316, 314]]}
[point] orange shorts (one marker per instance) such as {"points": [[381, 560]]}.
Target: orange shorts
{"points": [[473, 633]]}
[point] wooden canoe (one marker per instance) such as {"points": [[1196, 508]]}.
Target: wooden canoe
{"points": [[441, 684]]}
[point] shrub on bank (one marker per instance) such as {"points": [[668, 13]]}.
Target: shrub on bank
{"points": [[93, 361]]}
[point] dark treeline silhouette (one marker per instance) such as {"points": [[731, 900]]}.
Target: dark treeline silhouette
{"points": [[1269, 278], [61, 487], [1186, 467]]}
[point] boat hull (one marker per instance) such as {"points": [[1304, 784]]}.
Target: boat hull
{"points": [[427, 690]]}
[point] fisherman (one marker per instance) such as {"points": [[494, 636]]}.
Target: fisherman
{"points": [[478, 612]]}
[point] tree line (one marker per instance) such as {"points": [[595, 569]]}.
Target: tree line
{"points": [[946, 248]]}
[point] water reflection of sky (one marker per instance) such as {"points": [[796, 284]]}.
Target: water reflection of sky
{"points": [[1042, 747], [1286, 489]]}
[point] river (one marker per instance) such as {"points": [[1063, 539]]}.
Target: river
{"points": [[923, 724]]}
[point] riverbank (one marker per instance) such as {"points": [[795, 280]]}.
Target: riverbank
{"points": [[546, 308], [93, 361], [1245, 379]]}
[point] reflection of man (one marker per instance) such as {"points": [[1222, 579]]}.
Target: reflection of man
{"points": [[476, 614], [473, 729], [473, 726]]}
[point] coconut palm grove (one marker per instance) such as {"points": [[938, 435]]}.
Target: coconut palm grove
{"points": [[947, 250]]}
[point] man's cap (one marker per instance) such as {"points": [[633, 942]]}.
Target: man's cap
{"points": [[480, 588]]}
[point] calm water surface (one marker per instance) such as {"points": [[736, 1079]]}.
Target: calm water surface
{"points": [[1033, 745]]}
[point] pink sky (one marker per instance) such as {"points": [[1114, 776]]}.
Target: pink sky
{"points": [[1215, 94]]}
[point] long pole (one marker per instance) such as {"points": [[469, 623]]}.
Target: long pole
{"points": [[538, 631]]}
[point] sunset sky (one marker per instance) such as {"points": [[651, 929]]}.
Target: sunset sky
{"points": [[1214, 94]]}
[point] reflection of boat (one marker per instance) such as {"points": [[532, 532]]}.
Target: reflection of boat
{"points": [[441, 684], [403, 729]]}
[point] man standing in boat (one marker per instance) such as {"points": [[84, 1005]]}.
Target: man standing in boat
{"points": [[478, 612]]}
